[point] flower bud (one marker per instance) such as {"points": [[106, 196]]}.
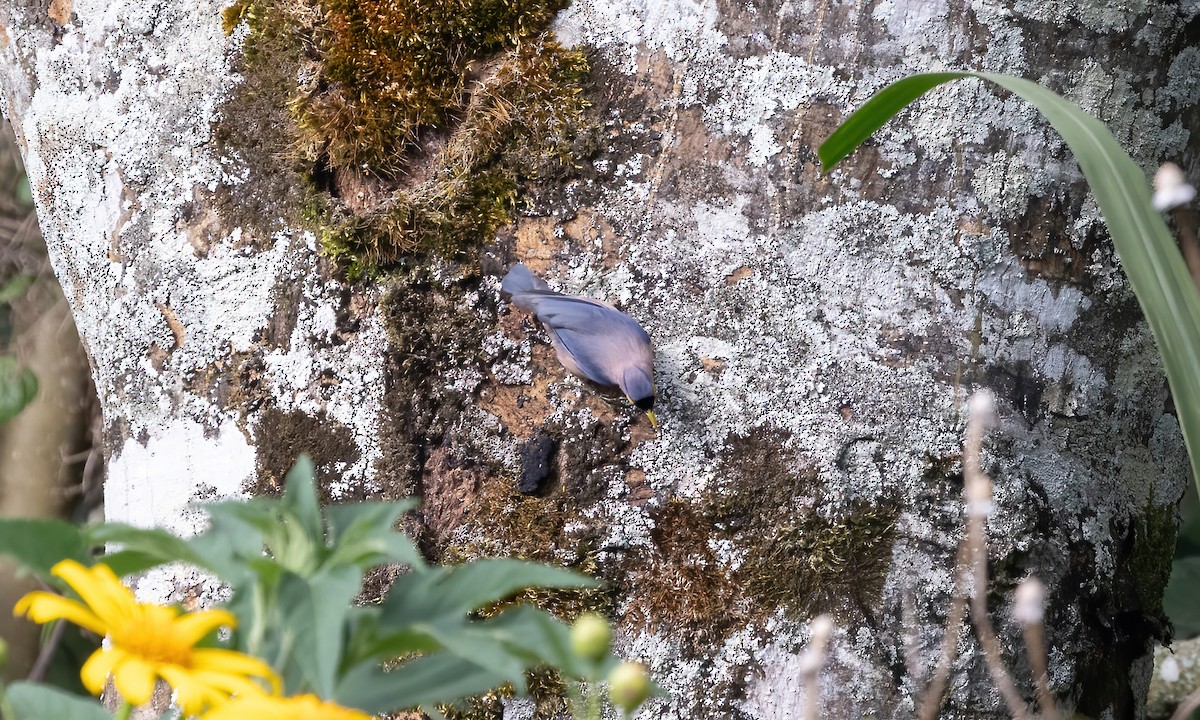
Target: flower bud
{"points": [[628, 686], [591, 637], [1171, 188], [1029, 601]]}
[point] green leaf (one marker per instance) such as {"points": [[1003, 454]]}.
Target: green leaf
{"points": [[314, 615], [878, 110], [31, 701], [225, 545], [425, 681], [300, 497], [423, 596], [150, 543], [283, 533], [131, 562], [542, 639], [363, 535], [1181, 601], [1148, 252], [18, 387], [22, 193], [15, 287], [477, 644], [37, 545]]}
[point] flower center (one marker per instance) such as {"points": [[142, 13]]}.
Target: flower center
{"points": [[149, 635]]}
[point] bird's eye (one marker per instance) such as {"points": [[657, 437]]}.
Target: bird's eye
{"points": [[645, 404]]}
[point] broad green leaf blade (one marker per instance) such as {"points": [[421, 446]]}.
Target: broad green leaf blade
{"points": [[478, 645], [314, 615], [426, 596], [131, 562], [426, 681], [31, 701], [152, 542], [300, 496], [542, 639], [363, 534], [877, 111], [37, 545], [1148, 252]]}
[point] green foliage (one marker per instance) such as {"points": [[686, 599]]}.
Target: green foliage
{"points": [[38, 544], [31, 701], [440, 635], [1148, 252], [18, 384]]}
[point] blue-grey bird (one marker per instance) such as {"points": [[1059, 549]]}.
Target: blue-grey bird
{"points": [[593, 339]]}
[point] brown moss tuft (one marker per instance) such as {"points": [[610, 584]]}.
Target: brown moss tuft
{"points": [[286, 435], [395, 69], [802, 553], [520, 123], [679, 584], [417, 123]]}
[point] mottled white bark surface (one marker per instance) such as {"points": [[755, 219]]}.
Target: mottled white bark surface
{"points": [[827, 328]]}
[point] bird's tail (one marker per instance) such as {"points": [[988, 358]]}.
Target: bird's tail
{"points": [[519, 279]]}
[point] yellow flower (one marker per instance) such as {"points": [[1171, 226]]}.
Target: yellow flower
{"points": [[264, 707], [147, 642]]}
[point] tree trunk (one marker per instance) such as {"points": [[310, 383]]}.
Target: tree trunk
{"points": [[817, 336]]}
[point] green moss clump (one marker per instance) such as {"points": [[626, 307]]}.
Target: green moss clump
{"points": [[394, 69], [419, 122], [801, 553], [1154, 536], [520, 124]]}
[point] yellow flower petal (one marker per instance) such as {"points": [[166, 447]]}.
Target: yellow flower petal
{"points": [[228, 661], [148, 641], [134, 677], [99, 588], [43, 607], [193, 627], [263, 707], [96, 670], [193, 693]]}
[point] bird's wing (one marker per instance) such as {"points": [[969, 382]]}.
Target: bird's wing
{"points": [[600, 340], [585, 315]]}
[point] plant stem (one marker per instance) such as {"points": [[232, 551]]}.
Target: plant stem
{"points": [[978, 492], [124, 711], [594, 702]]}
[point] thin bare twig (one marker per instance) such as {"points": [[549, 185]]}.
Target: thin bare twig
{"points": [[811, 662], [1029, 609], [1190, 704], [935, 695], [979, 506], [47, 651]]}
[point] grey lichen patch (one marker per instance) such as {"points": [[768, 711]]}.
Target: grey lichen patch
{"points": [[1098, 15]]}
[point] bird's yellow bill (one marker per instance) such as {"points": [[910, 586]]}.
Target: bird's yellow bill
{"points": [[653, 420]]}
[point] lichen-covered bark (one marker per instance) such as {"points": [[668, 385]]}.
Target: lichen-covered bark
{"points": [[816, 336]]}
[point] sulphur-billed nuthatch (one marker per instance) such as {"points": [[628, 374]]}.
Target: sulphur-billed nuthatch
{"points": [[593, 339]]}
